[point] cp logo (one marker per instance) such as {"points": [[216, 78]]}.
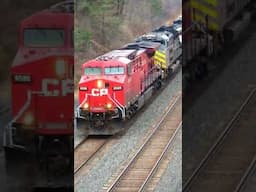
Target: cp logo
{"points": [[59, 87], [99, 92]]}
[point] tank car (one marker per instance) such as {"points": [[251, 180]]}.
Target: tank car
{"points": [[42, 83], [114, 86]]}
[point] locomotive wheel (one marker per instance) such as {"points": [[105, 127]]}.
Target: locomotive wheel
{"points": [[158, 84], [55, 156]]}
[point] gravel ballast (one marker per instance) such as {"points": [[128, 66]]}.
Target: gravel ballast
{"points": [[119, 153], [171, 180]]}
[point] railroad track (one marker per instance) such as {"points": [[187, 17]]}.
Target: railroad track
{"points": [[137, 175], [86, 150], [229, 161], [247, 182]]}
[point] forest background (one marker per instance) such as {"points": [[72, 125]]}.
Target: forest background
{"points": [[103, 25]]}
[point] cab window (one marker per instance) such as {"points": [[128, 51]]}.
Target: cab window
{"points": [[114, 70], [44, 37], [92, 71]]}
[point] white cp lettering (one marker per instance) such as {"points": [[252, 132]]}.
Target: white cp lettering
{"points": [[67, 86], [99, 92]]}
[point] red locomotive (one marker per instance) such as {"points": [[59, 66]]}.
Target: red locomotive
{"points": [[115, 85], [42, 81]]}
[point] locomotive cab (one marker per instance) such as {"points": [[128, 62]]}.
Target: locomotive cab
{"points": [[101, 91], [42, 81]]}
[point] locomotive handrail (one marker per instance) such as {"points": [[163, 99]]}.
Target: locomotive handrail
{"points": [[26, 105], [19, 114], [85, 99], [119, 105], [79, 106]]}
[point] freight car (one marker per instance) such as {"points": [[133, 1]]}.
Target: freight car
{"points": [[42, 84], [207, 27]]}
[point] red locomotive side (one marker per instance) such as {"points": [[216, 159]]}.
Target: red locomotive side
{"points": [[42, 78], [115, 85]]}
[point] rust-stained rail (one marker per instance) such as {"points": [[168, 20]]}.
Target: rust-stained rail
{"points": [[138, 172]]}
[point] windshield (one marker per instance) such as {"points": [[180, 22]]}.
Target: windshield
{"points": [[114, 70], [92, 71], [44, 37]]}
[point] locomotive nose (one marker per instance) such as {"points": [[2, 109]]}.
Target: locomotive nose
{"points": [[100, 98]]}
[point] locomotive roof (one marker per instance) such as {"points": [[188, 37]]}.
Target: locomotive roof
{"points": [[56, 16], [167, 29], [120, 55], [155, 36], [178, 20], [124, 55]]}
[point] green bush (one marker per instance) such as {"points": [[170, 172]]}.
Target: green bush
{"points": [[82, 39]]}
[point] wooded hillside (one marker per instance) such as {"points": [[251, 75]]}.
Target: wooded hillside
{"points": [[102, 25]]}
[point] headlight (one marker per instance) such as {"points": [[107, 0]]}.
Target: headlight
{"points": [[86, 106], [28, 119], [21, 78], [117, 88], [83, 88], [109, 106], [99, 84]]}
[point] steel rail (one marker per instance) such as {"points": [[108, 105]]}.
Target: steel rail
{"points": [[246, 175], [218, 142], [76, 170], [127, 167], [157, 164]]}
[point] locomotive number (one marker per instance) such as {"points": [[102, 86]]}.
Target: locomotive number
{"points": [[99, 92], [55, 87]]}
